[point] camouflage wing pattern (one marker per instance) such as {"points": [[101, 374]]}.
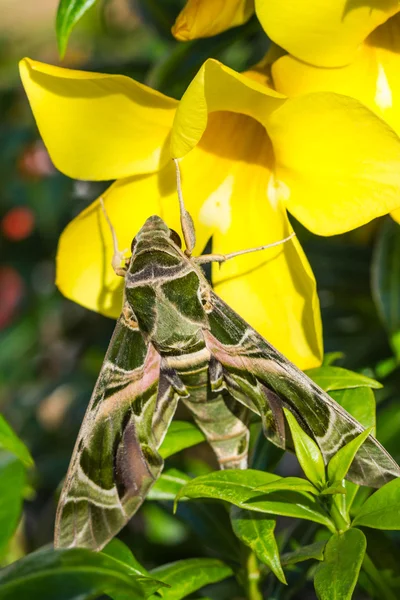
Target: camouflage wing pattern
{"points": [[115, 461], [176, 339], [261, 378]]}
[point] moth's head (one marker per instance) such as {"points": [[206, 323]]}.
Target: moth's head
{"points": [[153, 232]]}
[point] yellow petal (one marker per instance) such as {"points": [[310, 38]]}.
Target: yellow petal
{"points": [[322, 32], [205, 18], [96, 126], [84, 272], [225, 180], [219, 88], [337, 164], [372, 76], [396, 215]]}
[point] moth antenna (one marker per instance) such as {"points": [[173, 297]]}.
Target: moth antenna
{"points": [[220, 258], [118, 255], [187, 225]]}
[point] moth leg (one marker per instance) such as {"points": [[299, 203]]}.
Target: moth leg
{"points": [[220, 258], [119, 255], [187, 225]]}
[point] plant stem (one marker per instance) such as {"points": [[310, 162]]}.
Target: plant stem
{"points": [[385, 593], [253, 578]]}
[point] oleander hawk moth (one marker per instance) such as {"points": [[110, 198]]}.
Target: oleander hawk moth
{"points": [[177, 341]]}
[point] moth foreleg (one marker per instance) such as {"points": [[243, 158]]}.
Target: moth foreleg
{"points": [[118, 255]]}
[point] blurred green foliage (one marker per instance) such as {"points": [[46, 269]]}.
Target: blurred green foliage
{"points": [[51, 351]]}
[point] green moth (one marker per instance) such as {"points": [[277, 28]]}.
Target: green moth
{"points": [[177, 341]]}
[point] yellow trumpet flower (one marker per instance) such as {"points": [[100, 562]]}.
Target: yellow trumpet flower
{"points": [[247, 154]]}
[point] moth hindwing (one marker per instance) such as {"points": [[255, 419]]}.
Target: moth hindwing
{"points": [[177, 340]]}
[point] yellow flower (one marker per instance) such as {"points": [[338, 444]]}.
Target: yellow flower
{"points": [[245, 152], [205, 18], [353, 51]]}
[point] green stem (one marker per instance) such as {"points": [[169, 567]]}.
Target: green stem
{"points": [[253, 578], [385, 593]]}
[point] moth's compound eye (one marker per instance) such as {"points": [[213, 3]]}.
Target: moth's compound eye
{"points": [[175, 238], [134, 242]]}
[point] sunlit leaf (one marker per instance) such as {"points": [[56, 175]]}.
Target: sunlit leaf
{"points": [[240, 488], [359, 402], [168, 485], [381, 510], [297, 484], [180, 435], [68, 14], [340, 463], [307, 452], [12, 480], [336, 577], [10, 441], [257, 532], [336, 378], [312, 551], [188, 576], [119, 551]]}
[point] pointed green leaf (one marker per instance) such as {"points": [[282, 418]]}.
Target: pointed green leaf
{"points": [[340, 463], [168, 485], [382, 509], [73, 574], [359, 402], [188, 576], [311, 552], [180, 435], [336, 577], [68, 14], [297, 484], [386, 280], [336, 378], [307, 452], [10, 441], [257, 532], [240, 488], [12, 481]]}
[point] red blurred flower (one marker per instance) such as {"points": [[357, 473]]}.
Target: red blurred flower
{"points": [[18, 223]]}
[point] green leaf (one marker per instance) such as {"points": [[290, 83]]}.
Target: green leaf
{"points": [[336, 378], [188, 576], [340, 463], [359, 402], [73, 574], [68, 14], [297, 484], [331, 357], [386, 280], [311, 552], [381, 510], [307, 452], [10, 441], [240, 488], [336, 577], [257, 532], [181, 434], [337, 487], [12, 481], [168, 485], [119, 551]]}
